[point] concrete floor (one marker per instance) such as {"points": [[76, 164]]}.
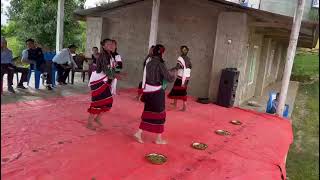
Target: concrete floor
{"points": [[262, 100], [33, 94], [80, 87]]}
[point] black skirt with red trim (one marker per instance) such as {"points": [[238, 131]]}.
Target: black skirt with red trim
{"points": [[101, 97], [154, 114], [178, 91]]}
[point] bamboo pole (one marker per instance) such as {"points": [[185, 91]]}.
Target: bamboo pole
{"points": [[290, 56]]}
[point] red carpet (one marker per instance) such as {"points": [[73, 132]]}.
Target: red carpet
{"points": [[47, 140]]}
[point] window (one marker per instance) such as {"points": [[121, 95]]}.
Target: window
{"points": [[271, 57], [252, 65]]}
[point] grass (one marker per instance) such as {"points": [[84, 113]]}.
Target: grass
{"points": [[303, 158], [306, 67]]}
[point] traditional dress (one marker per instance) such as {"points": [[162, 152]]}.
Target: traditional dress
{"points": [[154, 114], [140, 90], [101, 97], [179, 90]]}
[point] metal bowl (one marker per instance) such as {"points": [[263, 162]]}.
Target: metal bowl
{"points": [[223, 132], [236, 122], [199, 146], [156, 158]]}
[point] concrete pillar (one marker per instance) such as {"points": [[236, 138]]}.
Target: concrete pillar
{"points": [[94, 33], [279, 52], [60, 21], [230, 50], [263, 66], [282, 63], [290, 56], [154, 23]]}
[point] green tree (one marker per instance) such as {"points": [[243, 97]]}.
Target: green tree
{"points": [[37, 19]]}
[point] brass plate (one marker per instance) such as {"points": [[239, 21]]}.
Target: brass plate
{"points": [[199, 146], [236, 122], [156, 158], [223, 132]]}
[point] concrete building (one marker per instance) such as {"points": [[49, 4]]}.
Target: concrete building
{"points": [[220, 35], [283, 7]]}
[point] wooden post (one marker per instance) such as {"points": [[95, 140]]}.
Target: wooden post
{"points": [[154, 23], [60, 21], [290, 56]]}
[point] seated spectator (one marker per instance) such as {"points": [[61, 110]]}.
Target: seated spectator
{"points": [[275, 103], [33, 55], [64, 62], [48, 54], [8, 66], [95, 56]]}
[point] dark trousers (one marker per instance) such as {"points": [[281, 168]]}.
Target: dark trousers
{"points": [[44, 67], [10, 70], [63, 72]]}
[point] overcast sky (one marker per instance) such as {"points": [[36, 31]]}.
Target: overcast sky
{"points": [[6, 3]]}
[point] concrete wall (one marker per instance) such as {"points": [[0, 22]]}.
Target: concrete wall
{"points": [[263, 66], [277, 62], [180, 23], [232, 27], [255, 46], [271, 64], [282, 62], [130, 26], [94, 31], [189, 23], [205, 29]]}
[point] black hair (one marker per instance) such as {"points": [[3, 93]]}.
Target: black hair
{"points": [[158, 50], [95, 47], [103, 63], [104, 41], [72, 46], [182, 47], [29, 40]]}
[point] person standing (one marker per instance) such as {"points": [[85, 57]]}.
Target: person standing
{"points": [[140, 90], [95, 55], [179, 90], [154, 115], [64, 62], [100, 85], [8, 66], [33, 55], [118, 65]]}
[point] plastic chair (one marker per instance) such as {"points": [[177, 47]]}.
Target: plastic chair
{"points": [[272, 96], [48, 56], [37, 75]]}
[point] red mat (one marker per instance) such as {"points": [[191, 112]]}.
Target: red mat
{"points": [[47, 140]]}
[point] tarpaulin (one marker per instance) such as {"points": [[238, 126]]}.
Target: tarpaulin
{"points": [[47, 140]]}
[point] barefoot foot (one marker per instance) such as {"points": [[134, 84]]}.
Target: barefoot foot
{"points": [[98, 122], [91, 127], [137, 136], [160, 141]]}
